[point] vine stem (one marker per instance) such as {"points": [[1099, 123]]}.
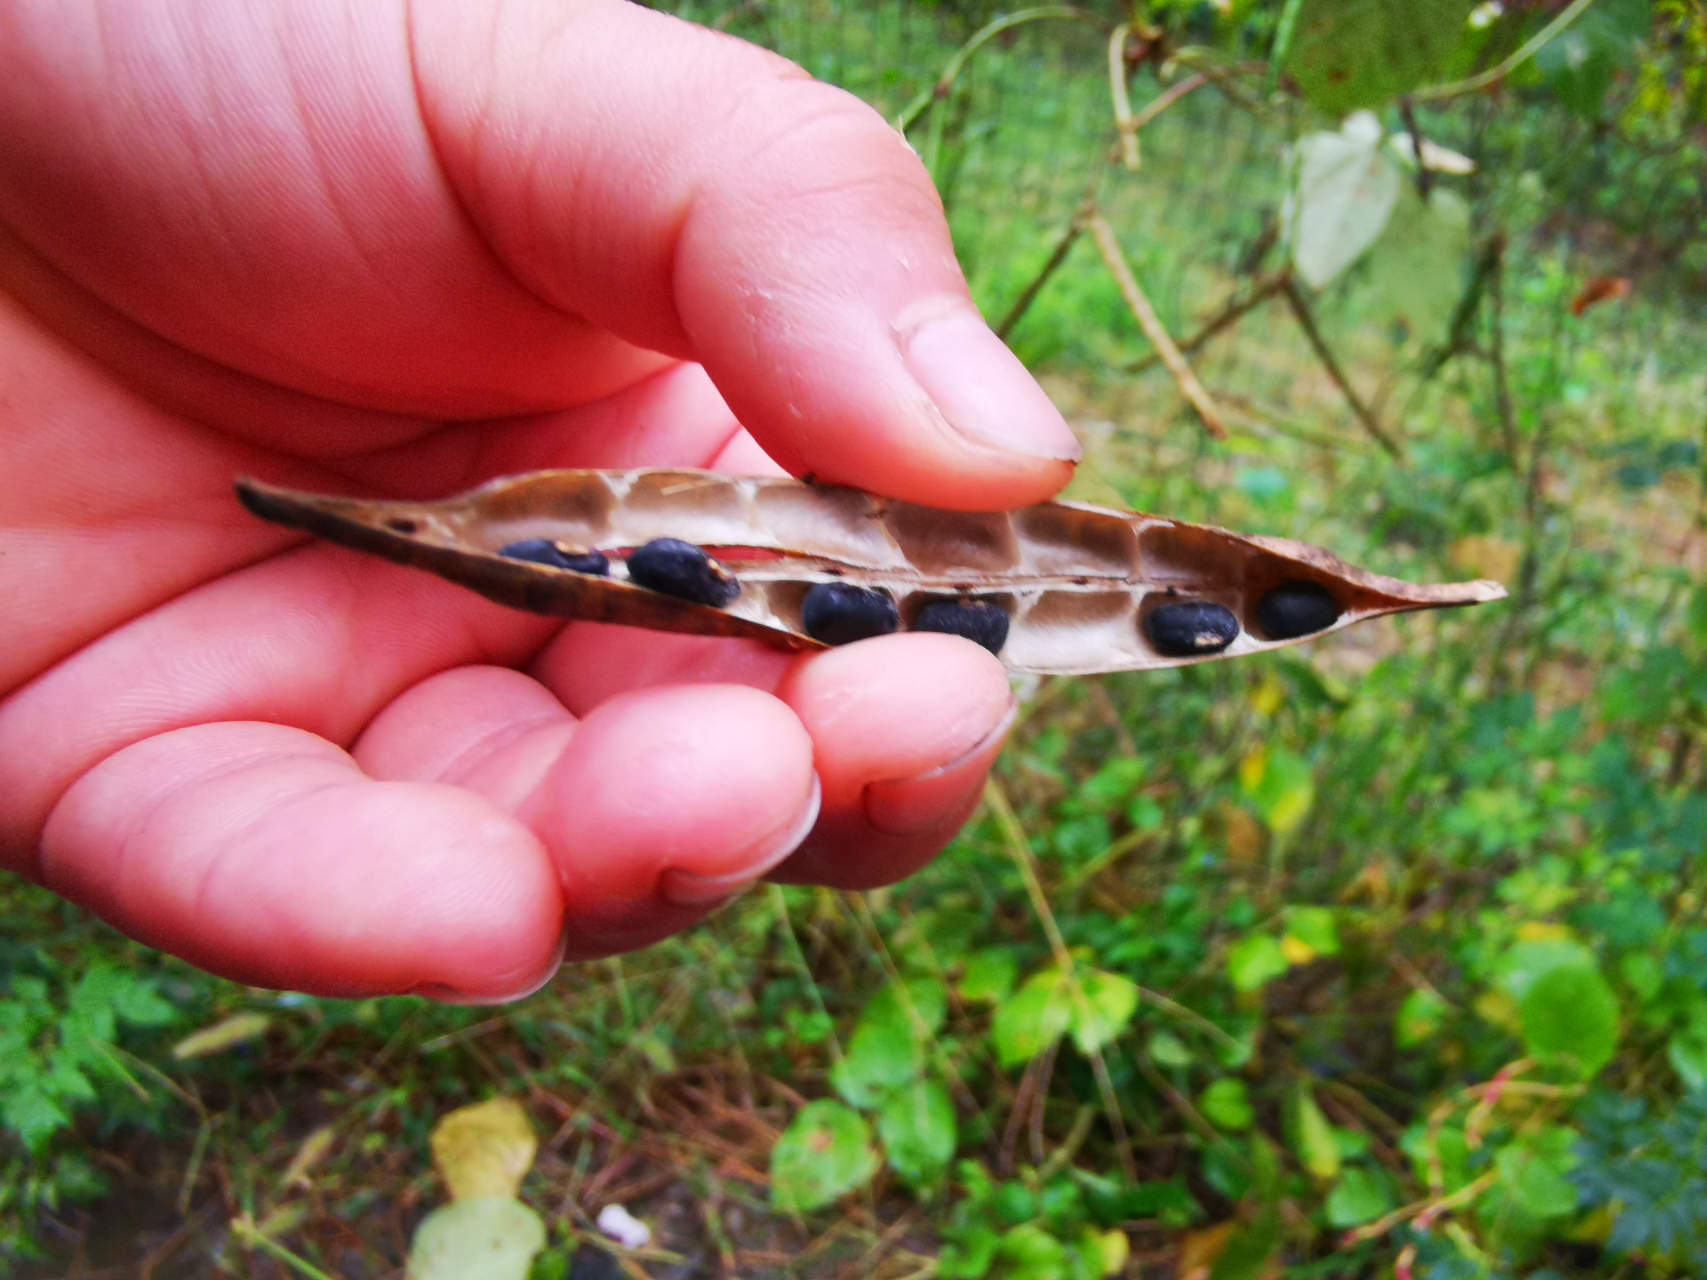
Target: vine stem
{"points": [[944, 83], [1493, 75], [1151, 324], [1307, 322], [1019, 849]]}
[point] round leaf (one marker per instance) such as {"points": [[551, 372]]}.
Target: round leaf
{"points": [[825, 1153], [1570, 1014], [1032, 1019], [1226, 1104], [919, 1131], [480, 1239]]}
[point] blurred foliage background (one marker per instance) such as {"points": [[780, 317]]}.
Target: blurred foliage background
{"points": [[1383, 956]]}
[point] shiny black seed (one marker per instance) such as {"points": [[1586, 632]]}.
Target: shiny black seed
{"points": [[976, 620], [559, 556], [1190, 628], [840, 613], [680, 569], [1297, 608]]}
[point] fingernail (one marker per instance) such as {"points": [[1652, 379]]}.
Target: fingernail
{"points": [[983, 391], [451, 995], [927, 800], [683, 888]]}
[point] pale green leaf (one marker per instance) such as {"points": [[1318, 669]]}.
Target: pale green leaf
{"points": [[1226, 1104], [1032, 1018], [491, 1239], [1109, 1003], [1570, 1014], [990, 974], [1312, 1136], [1255, 961], [919, 1131], [825, 1153], [1347, 187], [1419, 1019], [1358, 1197]]}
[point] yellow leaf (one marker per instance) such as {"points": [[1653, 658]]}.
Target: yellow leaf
{"points": [[238, 1029], [1114, 1248], [1267, 697], [1541, 931], [484, 1151], [308, 1155], [1252, 768], [1296, 951], [1498, 1008]]}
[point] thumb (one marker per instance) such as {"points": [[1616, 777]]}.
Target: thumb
{"points": [[696, 195]]}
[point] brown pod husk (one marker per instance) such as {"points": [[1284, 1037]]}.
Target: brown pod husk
{"points": [[1077, 581]]}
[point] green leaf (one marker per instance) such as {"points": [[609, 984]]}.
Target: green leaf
{"points": [[825, 1153], [1255, 961], [1226, 1104], [1534, 1172], [1570, 1014], [1697, 616], [1032, 1019], [1414, 273], [1314, 927], [1109, 1003], [1029, 1252], [1361, 53], [889, 1044], [486, 1239], [1579, 64], [1167, 1049], [1687, 1053], [1358, 1197], [1280, 785], [1524, 962], [1312, 1136], [1419, 1019], [970, 1256], [989, 975], [919, 1131]]}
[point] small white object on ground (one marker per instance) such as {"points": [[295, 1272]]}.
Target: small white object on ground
{"points": [[623, 1227]]}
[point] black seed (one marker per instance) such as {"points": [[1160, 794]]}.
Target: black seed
{"points": [[1191, 628], [680, 569], [558, 555], [976, 620], [1297, 608], [840, 613]]}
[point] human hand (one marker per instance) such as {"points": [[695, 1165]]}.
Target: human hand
{"points": [[400, 248]]}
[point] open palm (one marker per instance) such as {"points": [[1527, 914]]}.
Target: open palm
{"points": [[398, 248]]}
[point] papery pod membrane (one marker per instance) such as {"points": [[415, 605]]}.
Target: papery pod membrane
{"points": [[1076, 580]]}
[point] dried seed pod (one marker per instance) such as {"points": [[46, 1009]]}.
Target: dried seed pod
{"points": [[1296, 608], [979, 621], [1077, 584], [840, 613], [559, 555], [684, 571], [1191, 628]]}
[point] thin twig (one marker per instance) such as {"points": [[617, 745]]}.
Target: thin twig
{"points": [[1022, 304], [1129, 155], [1232, 311], [1307, 321], [944, 84], [1151, 324]]}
